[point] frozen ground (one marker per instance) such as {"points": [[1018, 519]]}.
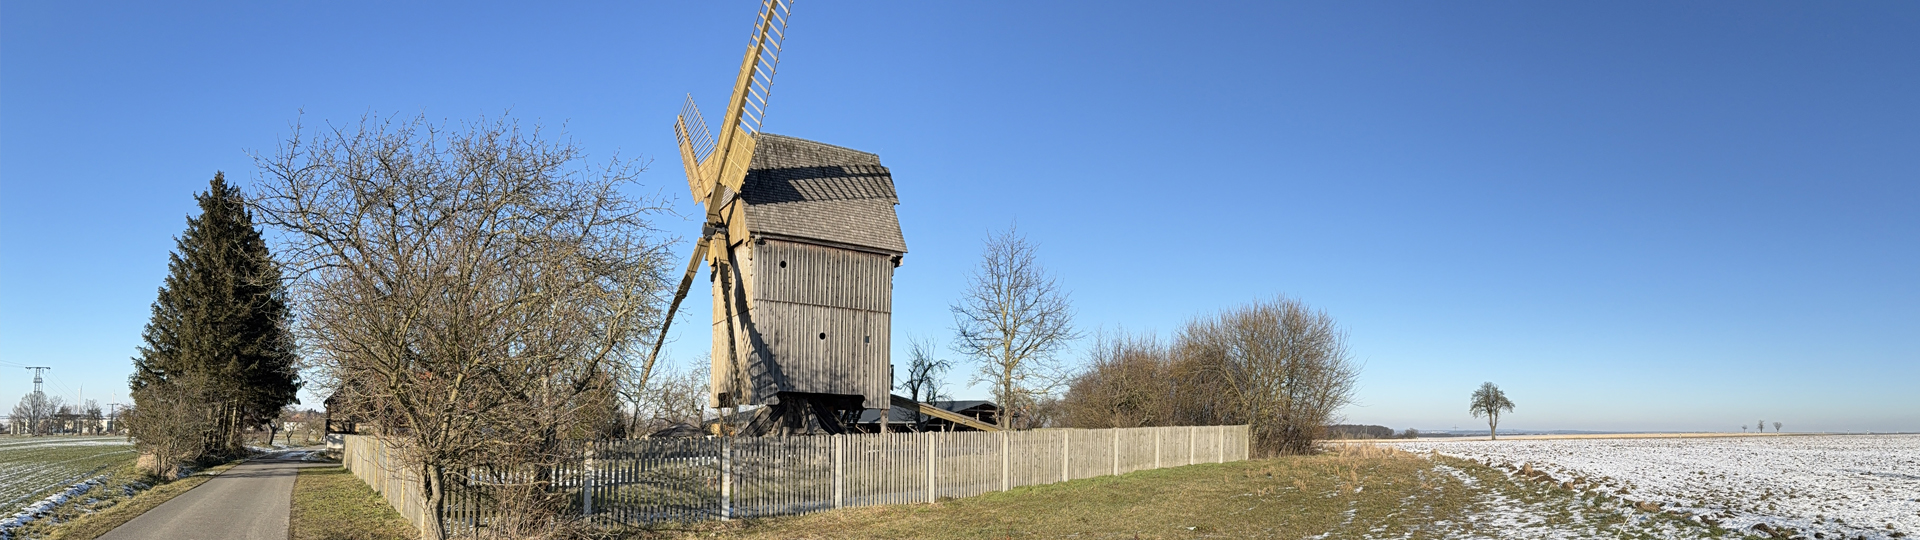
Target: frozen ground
{"points": [[33, 467], [1839, 486]]}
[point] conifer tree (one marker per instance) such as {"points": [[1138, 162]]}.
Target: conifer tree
{"points": [[219, 336]]}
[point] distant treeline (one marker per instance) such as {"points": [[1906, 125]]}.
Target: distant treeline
{"points": [[1356, 431]]}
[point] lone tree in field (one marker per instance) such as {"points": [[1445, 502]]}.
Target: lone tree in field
{"points": [[923, 378], [1013, 320], [1489, 401], [1776, 427], [476, 291], [1762, 427], [218, 354]]}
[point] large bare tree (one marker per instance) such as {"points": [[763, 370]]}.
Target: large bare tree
{"points": [[36, 410], [1013, 320], [474, 289], [1489, 401]]}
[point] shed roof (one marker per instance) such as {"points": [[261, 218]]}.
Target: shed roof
{"points": [[805, 189]]}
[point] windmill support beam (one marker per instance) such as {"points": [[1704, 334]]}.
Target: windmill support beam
{"points": [[943, 414]]}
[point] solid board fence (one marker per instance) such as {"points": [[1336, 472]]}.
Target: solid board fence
{"points": [[636, 481]]}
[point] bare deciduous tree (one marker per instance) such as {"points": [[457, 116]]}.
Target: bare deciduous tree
{"points": [[1279, 366], [173, 426], [1489, 401], [1776, 427], [36, 410], [1276, 365], [1013, 320], [1761, 427], [670, 397], [1125, 384], [924, 372], [476, 291]]}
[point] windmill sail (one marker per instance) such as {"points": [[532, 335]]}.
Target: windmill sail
{"points": [[696, 144], [746, 108], [768, 34]]}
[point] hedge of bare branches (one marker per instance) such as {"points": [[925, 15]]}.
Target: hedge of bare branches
{"points": [[1277, 365]]}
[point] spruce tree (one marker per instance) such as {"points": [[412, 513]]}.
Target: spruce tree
{"points": [[219, 335]]}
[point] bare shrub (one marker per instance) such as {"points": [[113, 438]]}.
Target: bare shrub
{"points": [[1283, 368], [1276, 365], [174, 427], [1125, 384]]}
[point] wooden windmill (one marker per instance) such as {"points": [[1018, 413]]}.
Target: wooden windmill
{"points": [[801, 239]]}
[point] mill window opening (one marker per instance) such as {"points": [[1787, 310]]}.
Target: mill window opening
{"points": [[783, 264], [823, 335]]}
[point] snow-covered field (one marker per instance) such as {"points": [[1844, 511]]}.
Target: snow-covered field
{"points": [[33, 467], [1845, 486]]}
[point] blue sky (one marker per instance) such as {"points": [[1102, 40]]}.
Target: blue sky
{"points": [[1631, 216]]}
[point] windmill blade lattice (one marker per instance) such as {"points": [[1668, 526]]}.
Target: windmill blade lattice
{"points": [[769, 33], [695, 133]]}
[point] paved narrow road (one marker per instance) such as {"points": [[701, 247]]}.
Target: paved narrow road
{"points": [[248, 502]]}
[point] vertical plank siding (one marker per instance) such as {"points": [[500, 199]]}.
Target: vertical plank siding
{"points": [[822, 315], [639, 481]]}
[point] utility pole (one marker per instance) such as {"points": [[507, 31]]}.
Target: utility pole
{"points": [[36, 377], [33, 424]]}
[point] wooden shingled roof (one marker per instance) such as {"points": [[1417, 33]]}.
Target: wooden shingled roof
{"points": [[809, 190]]}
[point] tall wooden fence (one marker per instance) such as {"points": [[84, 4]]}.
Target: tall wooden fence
{"points": [[651, 480], [378, 464]]}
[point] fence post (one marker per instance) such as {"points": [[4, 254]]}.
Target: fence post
{"points": [[1190, 459], [726, 479], [839, 470], [1156, 446], [1006, 481], [1220, 449], [586, 480], [932, 490], [1116, 452], [1066, 455]]}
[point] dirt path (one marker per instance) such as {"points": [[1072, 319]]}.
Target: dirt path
{"points": [[250, 501]]}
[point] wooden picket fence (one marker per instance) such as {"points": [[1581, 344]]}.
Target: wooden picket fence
{"points": [[638, 481]]}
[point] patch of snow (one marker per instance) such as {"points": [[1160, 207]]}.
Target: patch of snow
{"points": [[34, 511], [1843, 485]]}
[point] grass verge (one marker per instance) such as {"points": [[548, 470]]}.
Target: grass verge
{"points": [[330, 504], [89, 521], [1353, 492]]}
